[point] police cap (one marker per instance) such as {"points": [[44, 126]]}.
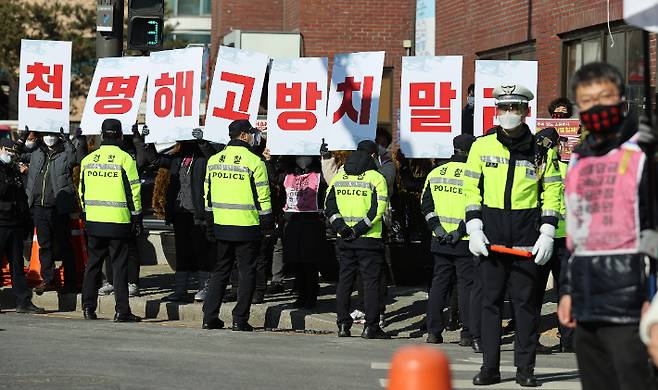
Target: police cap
{"points": [[463, 142], [240, 126], [8, 144], [367, 146], [111, 127], [512, 93]]}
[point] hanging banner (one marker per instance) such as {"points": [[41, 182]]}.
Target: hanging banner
{"points": [[356, 81], [425, 27], [489, 75], [173, 94], [115, 92], [642, 13], [44, 85], [236, 89], [297, 106], [430, 105]]}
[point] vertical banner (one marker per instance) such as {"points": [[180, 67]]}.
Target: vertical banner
{"points": [[236, 89], [430, 101], [297, 106], [173, 94], [44, 86], [425, 27], [489, 75], [642, 13], [115, 92], [356, 80]]}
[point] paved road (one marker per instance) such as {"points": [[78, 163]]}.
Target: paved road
{"points": [[54, 352]]}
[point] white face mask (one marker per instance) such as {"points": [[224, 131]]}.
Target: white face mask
{"points": [[49, 140], [5, 157], [470, 100], [30, 144], [510, 120]]}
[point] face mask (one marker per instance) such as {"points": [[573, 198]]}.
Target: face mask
{"points": [[303, 161], [510, 120], [49, 140], [5, 157], [603, 119], [470, 101], [29, 144]]}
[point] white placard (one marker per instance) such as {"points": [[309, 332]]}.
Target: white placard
{"points": [[642, 13], [236, 89], [489, 75], [173, 94], [116, 92], [356, 81], [45, 85], [430, 105], [297, 106]]}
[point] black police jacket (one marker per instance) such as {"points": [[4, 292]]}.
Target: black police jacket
{"points": [[14, 210]]}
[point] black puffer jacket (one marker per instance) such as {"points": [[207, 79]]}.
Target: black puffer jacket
{"points": [[14, 211], [609, 288]]}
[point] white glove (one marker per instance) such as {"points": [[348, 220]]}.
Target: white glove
{"points": [[477, 243], [543, 249]]}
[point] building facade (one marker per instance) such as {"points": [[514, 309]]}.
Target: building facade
{"points": [[561, 35]]}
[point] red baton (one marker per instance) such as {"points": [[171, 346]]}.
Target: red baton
{"points": [[510, 251]]}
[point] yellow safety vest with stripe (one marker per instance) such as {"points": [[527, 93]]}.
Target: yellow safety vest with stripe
{"points": [[561, 231], [446, 194], [236, 188], [109, 186], [359, 198], [503, 190]]}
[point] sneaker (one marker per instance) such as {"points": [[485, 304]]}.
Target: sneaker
{"points": [[200, 296], [133, 290], [358, 316], [106, 289], [275, 288]]}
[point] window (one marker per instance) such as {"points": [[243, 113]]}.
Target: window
{"points": [[524, 52], [189, 7], [627, 54]]}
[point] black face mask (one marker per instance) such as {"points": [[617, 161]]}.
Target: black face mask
{"points": [[602, 119]]}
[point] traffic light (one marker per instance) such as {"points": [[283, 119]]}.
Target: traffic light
{"points": [[145, 24]]}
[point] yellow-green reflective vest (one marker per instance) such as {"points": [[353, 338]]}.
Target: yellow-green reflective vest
{"points": [[446, 183], [355, 195], [237, 189], [561, 231], [109, 186]]}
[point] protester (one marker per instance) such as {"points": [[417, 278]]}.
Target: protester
{"points": [[443, 204], [238, 214], [110, 193], [607, 196], [468, 112], [51, 197], [355, 204], [504, 186], [15, 224], [560, 108]]}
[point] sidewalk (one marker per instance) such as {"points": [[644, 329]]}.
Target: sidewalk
{"points": [[405, 310]]}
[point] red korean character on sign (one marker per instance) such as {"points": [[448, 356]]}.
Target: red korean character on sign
{"points": [[228, 111], [426, 116], [52, 84], [178, 98], [116, 93], [290, 98], [349, 86]]}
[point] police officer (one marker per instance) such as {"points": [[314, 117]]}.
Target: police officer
{"points": [[443, 204], [239, 213], [15, 225], [112, 206], [514, 202], [355, 203]]}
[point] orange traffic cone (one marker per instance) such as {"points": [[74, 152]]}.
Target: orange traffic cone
{"points": [[419, 368], [5, 273], [33, 270]]}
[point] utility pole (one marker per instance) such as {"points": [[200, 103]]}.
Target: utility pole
{"points": [[109, 28]]}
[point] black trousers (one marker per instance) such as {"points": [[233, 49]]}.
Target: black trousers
{"points": [[497, 270], [11, 245], [554, 266], [228, 253], [193, 250], [382, 290], [445, 266], [368, 262], [116, 251], [307, 282], [264, 262], [611, 357], [133, 264], [475, 301], [54, 229]]}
